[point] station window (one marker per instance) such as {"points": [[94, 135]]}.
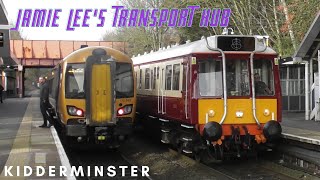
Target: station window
{"points": [[176, 77], [168, 77], [147, 79]]}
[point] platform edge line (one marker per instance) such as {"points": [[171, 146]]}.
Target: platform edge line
{"points": [[62, 153]]}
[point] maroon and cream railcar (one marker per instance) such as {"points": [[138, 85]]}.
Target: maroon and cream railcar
{"points": [[220, 93]]}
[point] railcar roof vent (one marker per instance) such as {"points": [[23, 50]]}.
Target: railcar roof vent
{"points": [[168, 47], [133, 56], [202, 37], [138, 55], [145, 53], [177, 44], [151, 51], [188, 41], [83, 46]]}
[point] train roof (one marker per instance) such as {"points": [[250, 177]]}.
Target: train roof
{"points": [[80, 55], [199, 46]]}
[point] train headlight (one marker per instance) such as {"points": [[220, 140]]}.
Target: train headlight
{"points": [[266, 112], [211, 113], [125, 110], [74, 111], [239, 114]]}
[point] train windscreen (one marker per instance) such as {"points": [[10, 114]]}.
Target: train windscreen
{"points": [[124, 80], [74, 81], [210, 78], [263, 77]]}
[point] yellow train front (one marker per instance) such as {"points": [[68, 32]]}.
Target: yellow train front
{"points": [[93, 96]]}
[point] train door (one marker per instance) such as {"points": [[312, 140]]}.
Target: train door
{"points": [[99, 88], [172, 85], [161, 89], [185, 84]]}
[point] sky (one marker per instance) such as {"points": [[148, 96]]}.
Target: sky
{"points": [[91, 33]]}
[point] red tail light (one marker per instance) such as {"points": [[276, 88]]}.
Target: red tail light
{"points": [[79, 112], [120, 111]]}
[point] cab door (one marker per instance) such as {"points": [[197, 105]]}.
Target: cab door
{"points": [[100, 91]]}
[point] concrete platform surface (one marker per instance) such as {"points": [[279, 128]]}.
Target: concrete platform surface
{"points": [[295, 127], [27, 145]]}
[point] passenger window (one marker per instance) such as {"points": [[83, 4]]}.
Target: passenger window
{"points": [[136, 77], [168, 77], [147, 79], [154, 78], [140, 79], [176, 77], [158, 72]]}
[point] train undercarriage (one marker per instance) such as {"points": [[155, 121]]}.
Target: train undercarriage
{"points": [[186, 139]]}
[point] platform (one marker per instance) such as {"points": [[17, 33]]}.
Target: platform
{"points": [[295, 127], [23, 143]]}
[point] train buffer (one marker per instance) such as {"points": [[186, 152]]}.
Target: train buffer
{"points": [[24, 145], [294, 127]]}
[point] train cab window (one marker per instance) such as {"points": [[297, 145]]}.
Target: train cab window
{"points": [[210, 77], [176, 77], [168, 77], [237, 77], [147, 78], [263, 77], [124, 80], [74, 81]]}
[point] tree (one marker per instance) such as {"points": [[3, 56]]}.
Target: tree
{"points": [[284, 21]]}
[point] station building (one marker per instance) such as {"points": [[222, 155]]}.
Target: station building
{"points": [[7, 64]]}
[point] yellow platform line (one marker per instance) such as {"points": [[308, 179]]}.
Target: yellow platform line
{"points": [[20, 152]]}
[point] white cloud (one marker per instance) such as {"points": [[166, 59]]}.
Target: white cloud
{"points": [[60, 33]]}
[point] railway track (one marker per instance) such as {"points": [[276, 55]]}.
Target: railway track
{"points": [[119, 164], [270, 166], [250, 169]]}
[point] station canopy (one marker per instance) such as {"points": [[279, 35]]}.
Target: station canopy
{"points": [[311, 42]]}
